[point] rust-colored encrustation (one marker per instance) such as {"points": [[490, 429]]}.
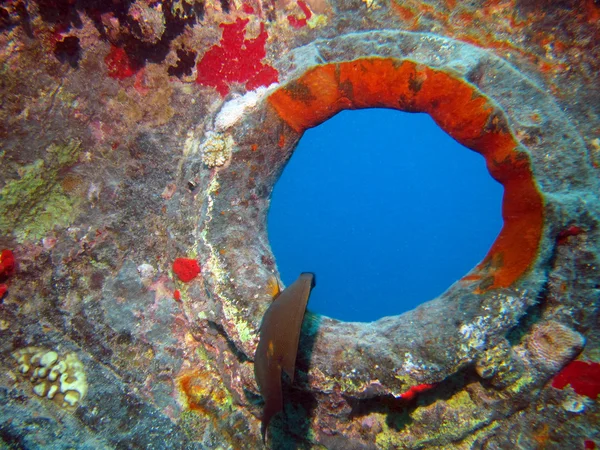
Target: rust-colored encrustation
{"points": [[460, 110]]}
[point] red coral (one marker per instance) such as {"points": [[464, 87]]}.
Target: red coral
{"points": [[177, 295], [3, 290], [414, 390], [186, 269], [7, 264], [589, 445], [583, 377], [300, 22], [119, 64], [236, 60]]}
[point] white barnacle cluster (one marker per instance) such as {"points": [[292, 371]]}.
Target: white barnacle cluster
{"points": [[216, 149], [474, 334], [235, 109], [58, 378]]}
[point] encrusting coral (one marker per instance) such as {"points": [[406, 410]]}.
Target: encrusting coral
{"points": [[216, 149], [35, 203], [58, 378]]}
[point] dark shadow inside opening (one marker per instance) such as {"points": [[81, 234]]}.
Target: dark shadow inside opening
{"points": [[386, 208]]}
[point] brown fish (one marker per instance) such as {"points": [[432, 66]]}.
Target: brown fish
{"points": [[278, 344]]}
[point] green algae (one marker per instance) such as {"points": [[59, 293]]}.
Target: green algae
{"points": [[525, 382], [235, 316], [34, 204]]}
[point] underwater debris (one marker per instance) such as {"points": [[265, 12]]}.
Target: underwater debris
{"points": [[526, 58], [186, 269], [456, 107], [58, 378], [278, 344]]}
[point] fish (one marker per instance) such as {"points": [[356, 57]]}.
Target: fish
{"points": [[278, 344]]}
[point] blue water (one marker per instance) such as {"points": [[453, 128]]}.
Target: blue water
{"points": [[386, 208]]}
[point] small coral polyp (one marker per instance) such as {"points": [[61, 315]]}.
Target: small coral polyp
{"points": [[460, 110], [216, 149], [58, 378]]}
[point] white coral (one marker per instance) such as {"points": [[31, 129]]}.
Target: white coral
{"points": [[216, 149], [51, 374]]}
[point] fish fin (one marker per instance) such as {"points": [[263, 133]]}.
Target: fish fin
{"points": [[273, 405], [297, 301]]}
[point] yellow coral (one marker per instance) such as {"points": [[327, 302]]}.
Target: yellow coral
{"points": [[61, 379], [216, 149]]}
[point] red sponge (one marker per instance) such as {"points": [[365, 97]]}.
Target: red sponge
{"points": [[7, 264], [186, 269], [583, 377]]}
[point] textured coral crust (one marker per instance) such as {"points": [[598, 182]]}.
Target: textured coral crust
{"points": [[186, 269], [458, 109], [583, 377]]}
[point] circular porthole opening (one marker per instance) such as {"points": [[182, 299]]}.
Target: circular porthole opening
{"points": [[386, 208]]}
